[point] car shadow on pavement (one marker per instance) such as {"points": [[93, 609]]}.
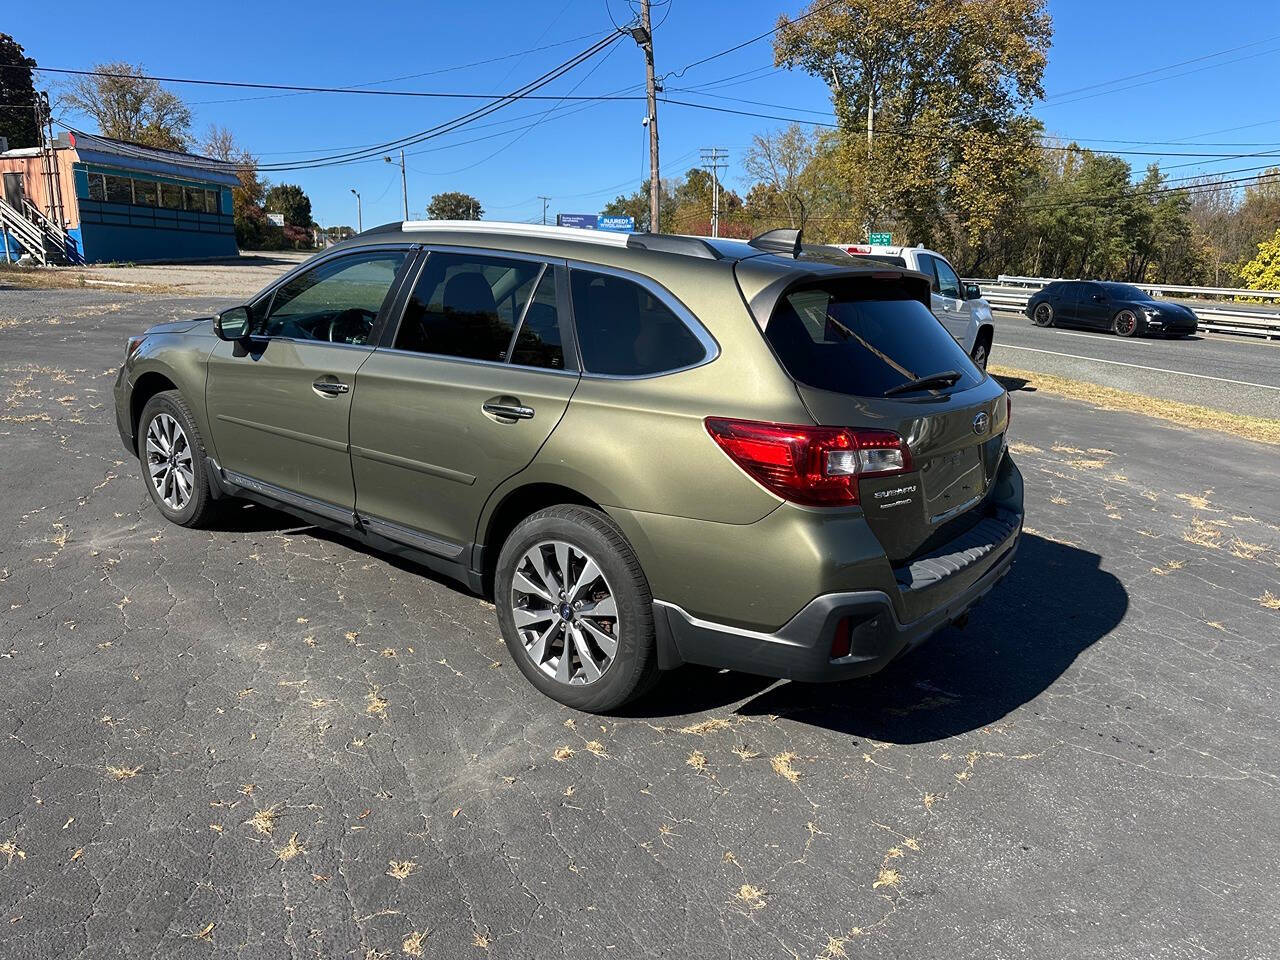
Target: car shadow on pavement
{"points": [[1055, 603]]}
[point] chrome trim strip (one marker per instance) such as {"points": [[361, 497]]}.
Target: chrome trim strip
{"points": [[414, 538], [322, 507], [960, 508], [710, 346], [498, 364], [324, 442], [431, 469]]}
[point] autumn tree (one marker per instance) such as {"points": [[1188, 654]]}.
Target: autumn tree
{"points": [[288, 199], [949, 85], [453, 205], [777, 161], [127, 105], [1263, 271], [17, 95], [636, 206]]}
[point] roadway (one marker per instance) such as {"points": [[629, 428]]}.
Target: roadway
{"points": [[1239, 374]]}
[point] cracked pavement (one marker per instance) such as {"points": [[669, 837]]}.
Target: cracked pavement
{"points": [[264, 741]]}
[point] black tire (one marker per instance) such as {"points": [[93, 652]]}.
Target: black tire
{"points": [[1042, 315], [1125, 324], [196, 509], [981, 354], [633, 668]]}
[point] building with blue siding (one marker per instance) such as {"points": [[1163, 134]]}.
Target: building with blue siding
{"points": [[100, 200]]}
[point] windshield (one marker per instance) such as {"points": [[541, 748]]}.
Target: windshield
{"points": [[1124, 291], [863, 336]]}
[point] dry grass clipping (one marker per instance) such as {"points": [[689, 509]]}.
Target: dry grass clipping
{"points": [[1203, 534], [888, 877], [123, 773], [1191, 416], [412, 944], [374, 704], [697, 760], [782, 766], [706, 726], [9, 849], [753, 897], [400, 869], [1269, 600], [264, 820], [563, 753], [290, 849]]}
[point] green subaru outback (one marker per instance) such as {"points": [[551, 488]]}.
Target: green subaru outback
{"points": [[649, 450]]}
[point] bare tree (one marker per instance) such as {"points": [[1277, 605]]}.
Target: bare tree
{"points": [[778, 159], [127, 105]]}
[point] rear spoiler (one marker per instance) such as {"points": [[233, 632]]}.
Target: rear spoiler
{"points": [[763, 287]]}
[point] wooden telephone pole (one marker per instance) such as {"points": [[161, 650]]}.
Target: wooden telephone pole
{"points": [[643, 36]]}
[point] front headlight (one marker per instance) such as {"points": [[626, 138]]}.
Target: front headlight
{"points": [[1151, 314]]}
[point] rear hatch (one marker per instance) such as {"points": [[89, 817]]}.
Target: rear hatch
{"points": [[862, 350]]}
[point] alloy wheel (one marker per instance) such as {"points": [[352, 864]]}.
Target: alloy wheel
{"points": [[1043, 315], [1126, 323], [565, 612], [169, 462]]}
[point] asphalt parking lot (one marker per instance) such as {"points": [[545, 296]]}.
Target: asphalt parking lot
{"points": [[261, 741]]}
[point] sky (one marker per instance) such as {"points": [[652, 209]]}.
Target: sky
{"points": [[1219, 94]]}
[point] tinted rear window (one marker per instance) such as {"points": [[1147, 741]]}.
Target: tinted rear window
{"points": [[863, 337]]}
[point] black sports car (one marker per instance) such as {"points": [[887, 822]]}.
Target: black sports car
{"points": [[1119, 307]]}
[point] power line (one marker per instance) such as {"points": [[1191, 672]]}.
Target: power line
{"points": [[746, 43]]}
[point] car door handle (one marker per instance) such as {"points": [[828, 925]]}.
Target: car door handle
{"points": [[507, 408], [330, 388]]}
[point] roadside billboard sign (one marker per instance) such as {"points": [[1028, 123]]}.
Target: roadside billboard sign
{"points": [[596, 221]]}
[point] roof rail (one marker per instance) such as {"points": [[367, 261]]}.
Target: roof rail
{"points": [[782, 240], [673, 243], [502, 228], [394, 226]]}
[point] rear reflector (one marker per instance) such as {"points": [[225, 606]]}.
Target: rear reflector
{"points": [[814, 466], [842, 642]]}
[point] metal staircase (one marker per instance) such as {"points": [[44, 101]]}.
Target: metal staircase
{"points": [[37, 234]]}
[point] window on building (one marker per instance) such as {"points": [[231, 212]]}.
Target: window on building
{"points": [[119, 189], [624, 330], [171, 196], [467, 306], [145, 192], [97, 191], [211, 201], [194, 199]]}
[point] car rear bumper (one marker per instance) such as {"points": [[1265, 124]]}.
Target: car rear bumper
{"points": [[944, 586]]}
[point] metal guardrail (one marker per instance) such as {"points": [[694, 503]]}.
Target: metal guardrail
{"points": [[1244, 319]]}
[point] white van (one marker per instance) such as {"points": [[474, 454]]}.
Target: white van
{"points": [[960, 307]]}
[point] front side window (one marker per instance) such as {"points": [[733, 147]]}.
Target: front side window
{"points": [[468, 306], [863, 337], [97, 189], [336, 302], [624, 330], [948, 282]]}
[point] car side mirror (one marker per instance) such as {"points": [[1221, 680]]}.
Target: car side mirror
{"points": [[232, 324], [972, 291]]}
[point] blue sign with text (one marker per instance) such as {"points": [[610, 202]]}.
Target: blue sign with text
{"points": [[593, 221]]}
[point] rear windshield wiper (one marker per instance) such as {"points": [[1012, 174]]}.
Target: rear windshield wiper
{"points": [[932, 382]]}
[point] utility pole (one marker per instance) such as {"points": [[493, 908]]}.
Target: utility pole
{"points": [[359, 212], [715, 159], [643, 36], [871, 126], [404, 183], [545, 201]]}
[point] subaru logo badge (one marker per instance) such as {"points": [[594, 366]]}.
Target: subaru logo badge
{"points": [[980, 423]]}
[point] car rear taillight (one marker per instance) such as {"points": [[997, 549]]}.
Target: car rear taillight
{"points": [[1008, 411], [132, 346], [814, 466]]}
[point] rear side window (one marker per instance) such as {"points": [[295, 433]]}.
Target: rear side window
{"points": [[863, 337], [469, 306], [625, 331]]}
